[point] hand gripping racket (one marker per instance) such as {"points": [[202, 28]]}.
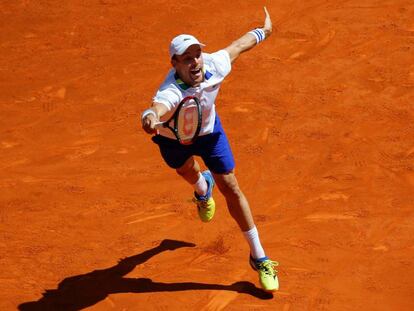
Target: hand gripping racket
{"points": [[185, 123]]}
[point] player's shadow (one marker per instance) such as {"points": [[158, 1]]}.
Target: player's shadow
{"points": [[81, 291]]}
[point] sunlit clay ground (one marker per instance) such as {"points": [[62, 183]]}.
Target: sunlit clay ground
{"points": [[321, 122]]}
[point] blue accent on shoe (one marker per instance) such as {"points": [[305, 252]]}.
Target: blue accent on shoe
{"points": [[210, 183], [255, 262]]}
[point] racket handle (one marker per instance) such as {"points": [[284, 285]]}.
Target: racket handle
{"points": [[159, 125]]}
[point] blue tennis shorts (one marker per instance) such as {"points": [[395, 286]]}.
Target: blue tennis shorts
{"points": [[213, 148]]}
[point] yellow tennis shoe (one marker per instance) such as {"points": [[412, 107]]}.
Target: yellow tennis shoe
{"points": [[205, 204], [267, 273]]}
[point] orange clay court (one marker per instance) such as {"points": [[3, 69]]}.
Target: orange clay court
{"points": [[320, 118]]}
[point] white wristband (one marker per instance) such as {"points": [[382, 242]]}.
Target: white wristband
{"points": [[146, 113], [259, 34]]}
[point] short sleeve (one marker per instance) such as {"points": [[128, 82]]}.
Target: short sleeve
{"points": [[167, 97], [221, 60]]}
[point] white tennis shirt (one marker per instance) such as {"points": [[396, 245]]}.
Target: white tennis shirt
{"points": [[216, 67]]}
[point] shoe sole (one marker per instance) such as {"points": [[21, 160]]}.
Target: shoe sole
{"points": [[266, 290]]}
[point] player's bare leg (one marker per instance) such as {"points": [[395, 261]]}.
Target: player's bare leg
{"points": [[240, 210], [203, 184], [236, 201], [189, 171]]}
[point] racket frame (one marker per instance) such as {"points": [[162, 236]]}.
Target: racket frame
{"points": [[166, 124]]}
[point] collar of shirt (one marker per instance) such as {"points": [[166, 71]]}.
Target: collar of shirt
{"points": [[184, 86]]}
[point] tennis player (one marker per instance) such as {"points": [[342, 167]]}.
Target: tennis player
{"points": [[200, 74]]}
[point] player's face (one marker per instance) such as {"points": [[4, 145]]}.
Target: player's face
{"points": [[189, 65]]}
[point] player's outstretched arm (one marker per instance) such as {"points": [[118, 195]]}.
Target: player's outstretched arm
{"points": [[250, 39], [151, 116]]}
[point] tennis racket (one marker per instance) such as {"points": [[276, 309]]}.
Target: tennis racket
{"points": [[185, 123]]}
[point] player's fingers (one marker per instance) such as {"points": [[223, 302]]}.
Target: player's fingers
{"points": [[267, 16], [149, 130], [153, 123], [146, 126], [268, 21]]}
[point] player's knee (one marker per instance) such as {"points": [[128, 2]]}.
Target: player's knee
{"points": [[231, 189], [185, 172], [187, 168]]}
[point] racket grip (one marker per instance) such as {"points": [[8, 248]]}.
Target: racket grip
{"points": [[159, 125]]}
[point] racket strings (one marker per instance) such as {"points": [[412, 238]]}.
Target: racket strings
{"points": [[187, 121]]}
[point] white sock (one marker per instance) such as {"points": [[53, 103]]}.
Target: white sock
{"points": [[201, 186], [256, 249]]}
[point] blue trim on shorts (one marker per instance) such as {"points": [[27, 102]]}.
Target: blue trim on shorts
{"points": [[213, 148]]}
